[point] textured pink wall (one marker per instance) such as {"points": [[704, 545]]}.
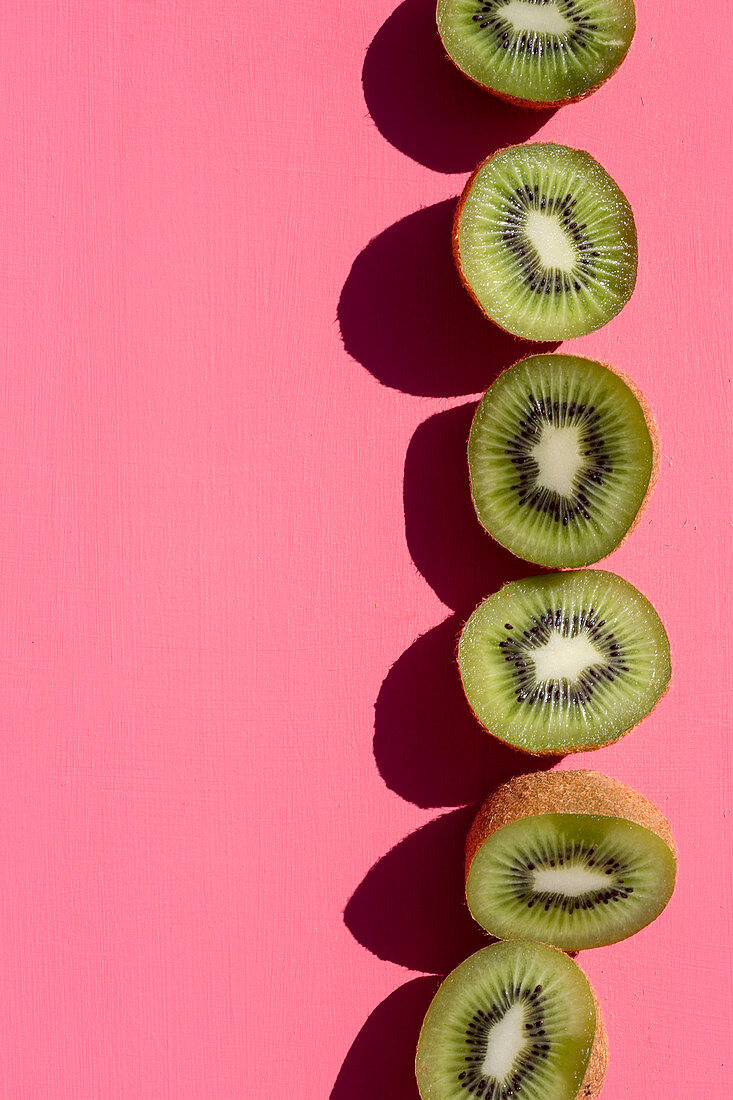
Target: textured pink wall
{"points": [[236, 543]]}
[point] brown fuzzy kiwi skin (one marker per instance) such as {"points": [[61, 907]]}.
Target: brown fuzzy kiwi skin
{"points": [[595, 1074], [653, 430], [456, 224], [564, 792], [566, 750]]}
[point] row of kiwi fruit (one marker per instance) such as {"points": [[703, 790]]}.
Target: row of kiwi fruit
{"points": [[556, 862], [544, 239], [562, 457]]}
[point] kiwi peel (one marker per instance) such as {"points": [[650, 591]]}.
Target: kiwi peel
{"points": [[564, 662], [563, 457], [516, 1018], [537, 53], [545, 241], [573, 858]]}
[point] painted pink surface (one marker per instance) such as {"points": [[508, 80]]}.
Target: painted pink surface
{"points": [[231, 332]]}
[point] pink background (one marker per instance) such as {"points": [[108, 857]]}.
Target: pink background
{"points": [[236, 544]]}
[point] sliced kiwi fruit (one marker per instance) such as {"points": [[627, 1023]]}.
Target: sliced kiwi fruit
{"points": [[571, 858], [538, 53], [545, 241], [564, 662], [516, 1019], [562, 459]]}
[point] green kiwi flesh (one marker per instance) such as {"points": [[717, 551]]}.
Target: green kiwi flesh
{"points": [[564, 662], [537, 52], [545, 242], [569, 857], [560, 457], [515, 1019], [572, 880]]}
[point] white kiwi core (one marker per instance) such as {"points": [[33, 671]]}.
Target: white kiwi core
{"points": [[551, 242], [542, 18], [506, 1039], [563, 658], [560, 459], [571, 881]]}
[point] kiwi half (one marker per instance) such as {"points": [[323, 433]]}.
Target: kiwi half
{"points": [[564, 662], [571, 858], [538, 53], [513, 1020], [562, 459], [545, 241]]}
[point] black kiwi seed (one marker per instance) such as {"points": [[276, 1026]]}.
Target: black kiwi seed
{"points": [[525, 892], [516, 649], [472, 1078], [519, 449]]}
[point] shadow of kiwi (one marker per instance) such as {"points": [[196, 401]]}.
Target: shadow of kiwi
{"points": [[450, 548], [410, 908], [428, 747], [376, 1067], [404, 315], [425, 107]]}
